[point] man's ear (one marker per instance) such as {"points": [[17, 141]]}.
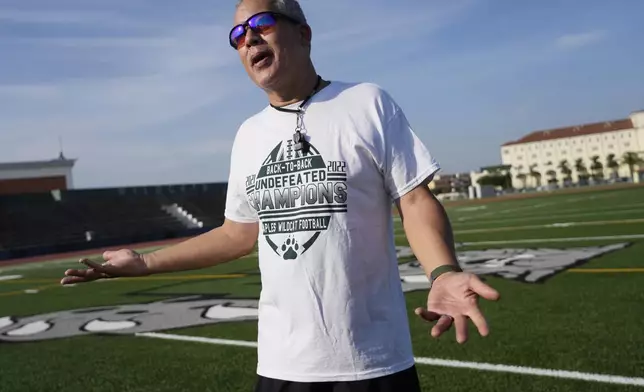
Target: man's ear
{"points": [[306, 35]]}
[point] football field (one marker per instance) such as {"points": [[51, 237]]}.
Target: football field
{"points": [[569, 268]]}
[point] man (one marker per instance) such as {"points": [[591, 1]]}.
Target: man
{"points": [[312, 180]]}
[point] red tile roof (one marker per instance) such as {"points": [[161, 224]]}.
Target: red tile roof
{"points": [[577, 130]]}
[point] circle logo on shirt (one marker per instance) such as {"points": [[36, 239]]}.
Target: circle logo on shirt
{"points": [[295, 195]]}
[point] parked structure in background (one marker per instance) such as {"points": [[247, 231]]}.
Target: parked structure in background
{"points": [[450, 183], [581, 154], [36, 176], [489, 180]]}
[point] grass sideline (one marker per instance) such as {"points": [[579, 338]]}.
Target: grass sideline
{"points": [[585, 322]]}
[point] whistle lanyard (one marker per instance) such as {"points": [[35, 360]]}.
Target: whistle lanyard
{"points": [[298, 139]]}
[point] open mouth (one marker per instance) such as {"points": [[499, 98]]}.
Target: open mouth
{"points": [[261, 59]]}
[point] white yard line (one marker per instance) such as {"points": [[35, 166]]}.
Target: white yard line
{"points": [[483, 223], [604, 378], [545, 240]]}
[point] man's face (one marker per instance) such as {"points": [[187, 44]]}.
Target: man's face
{"points": [[271, 59]]}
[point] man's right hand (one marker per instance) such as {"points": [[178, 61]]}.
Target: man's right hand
{"points": [[121, 263]]}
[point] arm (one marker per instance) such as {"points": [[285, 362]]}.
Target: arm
{"points": [[427, 228], [453, 297], [228, 242], [222, 244]]}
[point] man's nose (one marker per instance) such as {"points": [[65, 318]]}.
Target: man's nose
{"points": [[252, 38]]}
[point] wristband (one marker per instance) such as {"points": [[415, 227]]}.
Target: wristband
{"points": [[438, 271]]}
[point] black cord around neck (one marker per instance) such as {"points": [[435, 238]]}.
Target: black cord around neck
{"points": [[306, 100]]}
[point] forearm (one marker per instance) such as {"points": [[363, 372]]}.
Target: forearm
{"points": [[208, 249], [429, 233]]}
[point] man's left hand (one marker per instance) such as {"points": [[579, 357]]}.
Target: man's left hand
{"points": [[453, 299]]}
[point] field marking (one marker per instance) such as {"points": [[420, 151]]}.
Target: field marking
{"points": [[604, 378], [564, 239], [483, 222], [61, 263], [6, 278], [197, 339], [401, 232], [605, 270], [34, 290], [137, 279], [545, 226]]}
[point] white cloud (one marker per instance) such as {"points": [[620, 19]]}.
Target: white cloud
{"points": [[156, 84], [182, 72], [570, 41], [65, 17], [160, 81], [376, 25]]}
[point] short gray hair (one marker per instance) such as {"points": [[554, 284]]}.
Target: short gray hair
{"points": [[289, 8]]}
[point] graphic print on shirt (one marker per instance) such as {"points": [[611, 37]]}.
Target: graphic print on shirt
{"points": [[296, 195]]}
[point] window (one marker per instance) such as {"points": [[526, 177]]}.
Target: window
{"points": [[627, 144], [519, 158], [610, 146], [548, 154], [506, 151], [595, 148], [563, 152], [534, 156], [579, 150]]}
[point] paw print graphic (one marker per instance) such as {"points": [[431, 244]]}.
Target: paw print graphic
{"points": [[290, 248]]}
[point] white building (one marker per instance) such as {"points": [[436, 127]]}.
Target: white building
{"points": [[536, 159]]}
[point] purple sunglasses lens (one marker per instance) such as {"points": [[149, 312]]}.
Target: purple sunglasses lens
{"points": [[261, 20], [258, 23], [236, 33]]}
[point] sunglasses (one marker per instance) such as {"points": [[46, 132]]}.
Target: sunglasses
{"points": [[261, 23]]}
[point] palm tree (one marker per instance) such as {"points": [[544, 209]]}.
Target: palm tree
{"points": [[535, 174], [631, 159], [552, 176], [564, 167], [580, 167], [612, 164], [596, 168], [522, 177]]}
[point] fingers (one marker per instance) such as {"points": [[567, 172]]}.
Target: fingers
{"points": [[74, 279], [460, 323], [79, 276], [483, 289], [104, 268], [479, 321], [426, 314], [444, 324]]}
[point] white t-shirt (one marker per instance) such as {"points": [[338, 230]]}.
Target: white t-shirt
{"points": [[331, 306]]}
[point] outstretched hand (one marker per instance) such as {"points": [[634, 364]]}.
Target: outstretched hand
{"points": [[453, 299], [122, 263]]}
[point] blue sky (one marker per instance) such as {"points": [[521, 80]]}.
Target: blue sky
{"points": [[148, 92]]}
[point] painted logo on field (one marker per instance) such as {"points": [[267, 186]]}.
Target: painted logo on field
{"points": [[127, 319], [524, 265], [296, 195]]}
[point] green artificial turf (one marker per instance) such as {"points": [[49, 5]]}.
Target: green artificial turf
{"points": [[585, 322]]}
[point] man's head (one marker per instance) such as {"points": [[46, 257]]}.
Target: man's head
{"points": [[280, 49]]}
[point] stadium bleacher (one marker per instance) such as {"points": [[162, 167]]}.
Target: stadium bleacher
{"points": [[59, 221]]}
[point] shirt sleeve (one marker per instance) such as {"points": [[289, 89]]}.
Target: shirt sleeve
{"points": [[238, 208], [407, 161]]}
